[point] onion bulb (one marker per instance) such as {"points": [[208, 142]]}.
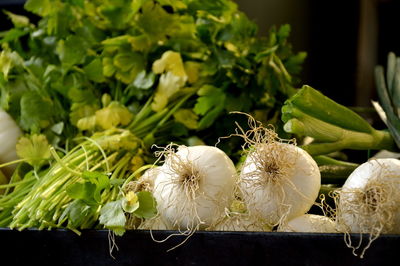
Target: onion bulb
{"points": [[144, 183], [369, 201], [309, 223], [194, 186], [155, 223], [241, 222], [279, 181], [9, 134]]}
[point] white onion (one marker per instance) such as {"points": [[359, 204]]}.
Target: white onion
{"points": [[241, 222], [145, 182], [279, 181], [309, 223], [9, 134], [369, 201], [194, 186], [155, 223]]}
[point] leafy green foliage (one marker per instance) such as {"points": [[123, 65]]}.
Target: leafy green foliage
{"points": [[81, 50], [147, 205], [35, 149], [130, 74], [141, 204], [112, 216], [77, 211], [90, 190]]}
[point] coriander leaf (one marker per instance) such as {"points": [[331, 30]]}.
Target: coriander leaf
{"points": [[168, 85], [112, 217], [126, 65], [140, 43], [116, 41], [283, 33], [94, 70], [117, 14], [13, 35], [171, 81], [125, 61], [143, 81], [187, 117], [113, 115], [108, 68], [210, 97], [192, 70], [77, 212], [35, 149], [150, 19], [80, 3], [83, 96], [36, 111], [101, 181], [18, 20], [39, 7], [147, 205], [83, 116], [170, 61], [82, 191], [72, 50], [7, 61], [207, 120], [117, 182], [226, 59], [58, 128], [216, 8], [116, 139]]}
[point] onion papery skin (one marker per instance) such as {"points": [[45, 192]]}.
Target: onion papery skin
{"points": [[215, 187], [361, 212], [9, 134], [280, 197], [310, 223]]}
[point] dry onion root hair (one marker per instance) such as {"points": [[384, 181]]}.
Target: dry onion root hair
{"points": [[273, 161], [192, 189], [368, 211]]}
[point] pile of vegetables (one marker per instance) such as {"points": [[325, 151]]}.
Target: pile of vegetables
{"points": [[108, 120], [366, 201], [90, 86]]}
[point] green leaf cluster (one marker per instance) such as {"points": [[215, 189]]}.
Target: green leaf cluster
{"points": [[35, 149], [116, 76], [136, 50], [140, 204]]}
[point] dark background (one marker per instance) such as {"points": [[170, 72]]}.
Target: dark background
{"points": [[344, 39]]}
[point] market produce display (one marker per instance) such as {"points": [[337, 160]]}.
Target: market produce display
{"points": [[93, 85], [176, 115]]}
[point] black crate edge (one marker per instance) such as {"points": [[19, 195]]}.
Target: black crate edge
{"points": [[64, 247]]}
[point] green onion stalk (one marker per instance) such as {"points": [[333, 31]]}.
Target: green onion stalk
{"points": [[334, 171], [72, 192], [333, 127], [388, 88]]}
